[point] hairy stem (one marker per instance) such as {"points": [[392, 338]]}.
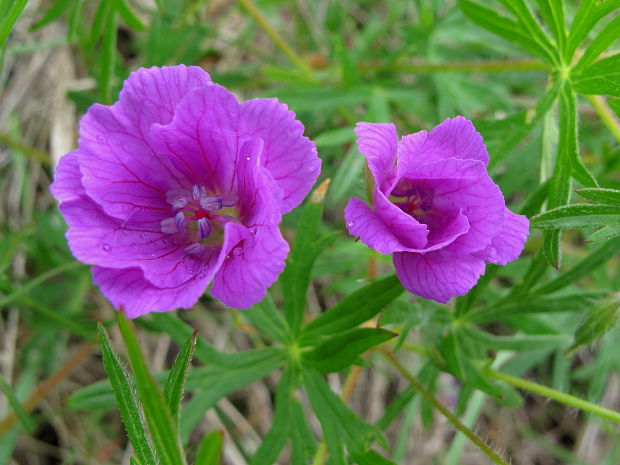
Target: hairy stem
{"points": [[555, 395], [473, 437]]}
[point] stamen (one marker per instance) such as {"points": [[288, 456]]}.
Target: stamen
{"points": [[211, 202], [179, 220], [198, 191], [204, 228], [230, 201], [178, 198]]}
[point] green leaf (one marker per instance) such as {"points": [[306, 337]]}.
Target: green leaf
{"points": [[128, 16], [341, 427], [534, 304], [600, 195], [592, 261], [577, 216], [175, 382], [276, 438], [370, 457], [158, 417], [266, 318], [601, 78], [599, 320], [210, 449], [614, 103], [216, 381], [126, 401], [502, 26], [305, 250], [10, 15], [542, 107], [104, 10], [604, 234], [517, 342], [53, 13], [601, 42], [341, 351], [335, 137], [589, 13], [553, 13], [22, 415], [355, 309], [525, 17]]}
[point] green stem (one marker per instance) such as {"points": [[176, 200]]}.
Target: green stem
{"points": [[473, 437], [606, 115], [277, 38], [31, 152], [555, 395], [489, 66]]}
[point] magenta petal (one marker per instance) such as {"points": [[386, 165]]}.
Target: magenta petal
{"points": [[151, 95], [378, 143], [251, 268], [201, 141], [465, 185], [363, 222], [289, 155], [438, 275], [454, 138], [119, 169], [508, 244], [128, 290], [67, 183]]}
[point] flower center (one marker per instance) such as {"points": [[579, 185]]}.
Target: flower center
{"points": [[413, 200], [197, 212]]}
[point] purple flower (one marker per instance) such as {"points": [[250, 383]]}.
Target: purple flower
{"points": [[435, 208], [177, 186]]}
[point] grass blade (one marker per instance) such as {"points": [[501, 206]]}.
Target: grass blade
{"points": [[210, 449]]}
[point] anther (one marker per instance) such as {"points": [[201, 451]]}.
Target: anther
{"points": [[204, 228]]}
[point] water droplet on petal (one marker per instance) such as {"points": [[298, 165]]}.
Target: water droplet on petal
{"points": [[142, 236], [350, 224], [107, 248], [100, 139], [248, 158], [253, 231]]}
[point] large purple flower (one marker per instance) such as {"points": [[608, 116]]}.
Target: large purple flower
{"points": [[435, 208], [177, 185]]}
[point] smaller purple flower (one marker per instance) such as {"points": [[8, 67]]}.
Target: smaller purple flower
{"points": [[177, 187], [435, 208]]}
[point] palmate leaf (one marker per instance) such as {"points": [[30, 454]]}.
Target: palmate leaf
{"points": [[342, 350], [341, 427], [600, 78], [355, 309], [504, 27], [161, 424], [280, 431], [126, 402], [601, 42], [589, 13]]}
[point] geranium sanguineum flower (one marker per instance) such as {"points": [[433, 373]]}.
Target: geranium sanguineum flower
{"points": [[177, 186], [434, 208]]}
